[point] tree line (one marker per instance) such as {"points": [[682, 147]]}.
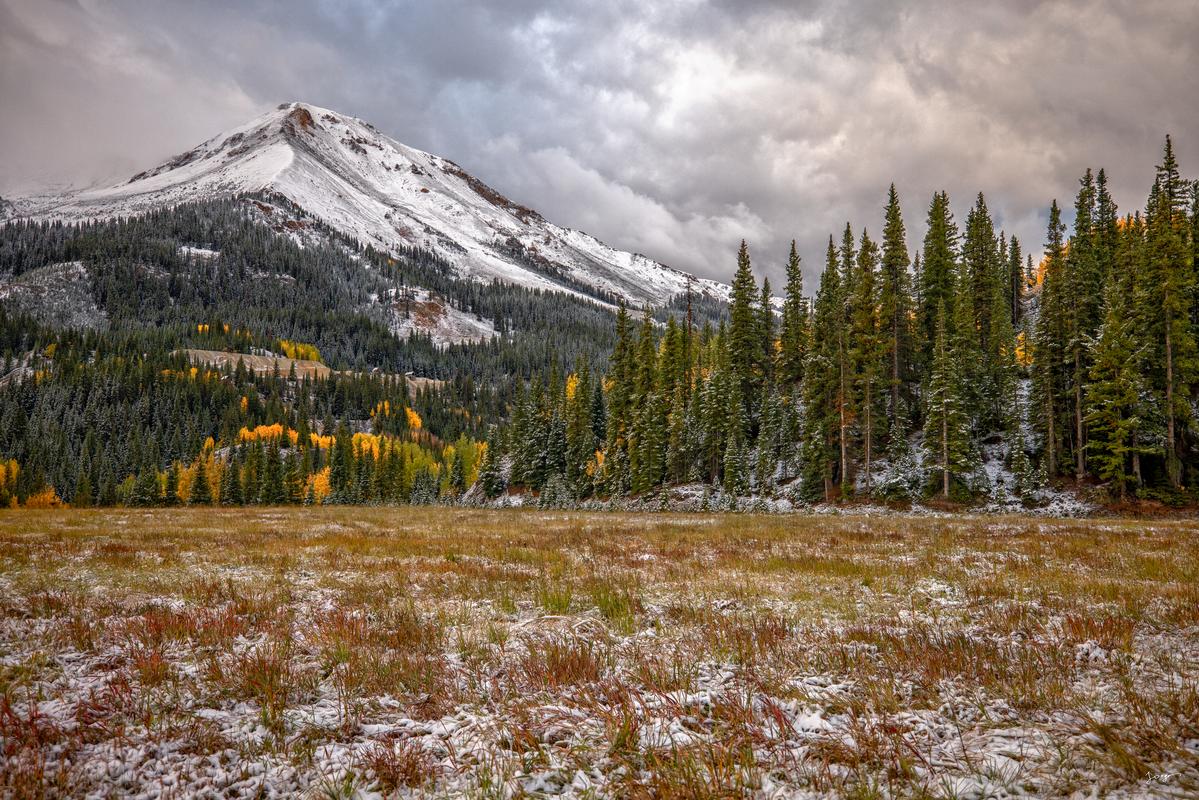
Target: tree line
{"points": [[907, 372]]}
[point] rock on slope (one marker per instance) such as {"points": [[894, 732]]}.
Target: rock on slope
{"points": [[343, 171]]}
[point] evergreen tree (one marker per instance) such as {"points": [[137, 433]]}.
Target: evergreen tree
{"points": [[937, 271], [866, 352], [745, 331], [1170, 297], [794, 336], [818, 453], [1115, 394], [84, 495], [946, 425], [231, 494], [171, 495], [271, 492], [200, 493], [145, 489], [1050, 337], [895, 308]]}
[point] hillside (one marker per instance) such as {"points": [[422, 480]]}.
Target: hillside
{"points": [[382, 193]]}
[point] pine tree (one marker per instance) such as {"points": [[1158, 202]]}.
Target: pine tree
{"points": [[1082, 296], [491, 476], [271, 491], [818, 453], [745, 330], [794, 336], [895, 307], [83, 496], [292, 479], [145, 489], [867, 351], [937, 270], [1115, 394], [946, 425], [171, 495], [201, 492], [1015, 282], [580, 434], [1050, 335], [231, 494], [1171, 284]]}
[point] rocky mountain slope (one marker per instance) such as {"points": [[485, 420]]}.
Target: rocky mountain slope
{"points": [[346, 173]]}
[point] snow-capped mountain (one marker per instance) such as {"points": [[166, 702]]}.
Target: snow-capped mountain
{"points": [[381, 192]]}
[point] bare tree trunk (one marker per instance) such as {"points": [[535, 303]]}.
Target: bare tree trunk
{"points": [[944, 451], [869, 419], [841, 402], [1171, 452], [1081, 458], [1051, 444], [895, 366]]}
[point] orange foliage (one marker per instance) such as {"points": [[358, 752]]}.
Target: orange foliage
{"points": [[367, 442], [300, 351], [318, 483], [46, 498], [267, 433], [414, 420], [1023, 353]]}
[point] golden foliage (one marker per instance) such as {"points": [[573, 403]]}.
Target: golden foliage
{"points": [[414, 420], [46, 498], [266, 433], [367, 442], [300, 351], [318, 484]]}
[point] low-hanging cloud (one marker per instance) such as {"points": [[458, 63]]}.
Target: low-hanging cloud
{"points": [[669, 127]]}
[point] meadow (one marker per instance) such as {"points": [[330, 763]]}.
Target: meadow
{"points": [[443, 652]]}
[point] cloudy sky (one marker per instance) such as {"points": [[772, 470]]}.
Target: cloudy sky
{"points": [[669, 127]]}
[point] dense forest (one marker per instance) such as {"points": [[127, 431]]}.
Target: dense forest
{"points": [[908, 376], [963, 369], [101, 404]]}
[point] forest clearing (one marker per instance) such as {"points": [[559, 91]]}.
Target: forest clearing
{"points": [[376, 652]]}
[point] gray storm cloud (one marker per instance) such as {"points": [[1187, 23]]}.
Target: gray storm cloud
{"points": [[672, 128]]}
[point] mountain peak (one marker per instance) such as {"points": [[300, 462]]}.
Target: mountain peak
{"points": [[343, 171]]}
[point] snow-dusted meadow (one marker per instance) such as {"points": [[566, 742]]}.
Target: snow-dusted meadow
{"points": [[448, 652]]}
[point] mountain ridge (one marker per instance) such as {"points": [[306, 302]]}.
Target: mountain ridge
{"points": [[364, 184]]}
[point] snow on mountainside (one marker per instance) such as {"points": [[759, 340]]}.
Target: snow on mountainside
{"points": [[343, 171]]}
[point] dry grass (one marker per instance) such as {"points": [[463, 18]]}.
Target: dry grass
{"points": [[448, 653]]}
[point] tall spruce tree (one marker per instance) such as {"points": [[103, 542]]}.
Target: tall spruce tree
{"points": [[1049, 351], [895, 309], [946, 424], [794, 336], [745, 330], [818, 454], [1170, 281], [866, 352], [937, 271], [1115, 393]]}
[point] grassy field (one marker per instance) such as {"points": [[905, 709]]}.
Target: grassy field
{"points": [[447, 653]]}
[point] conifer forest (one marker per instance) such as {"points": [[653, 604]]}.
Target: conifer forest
{"points": [[944, 371]]}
